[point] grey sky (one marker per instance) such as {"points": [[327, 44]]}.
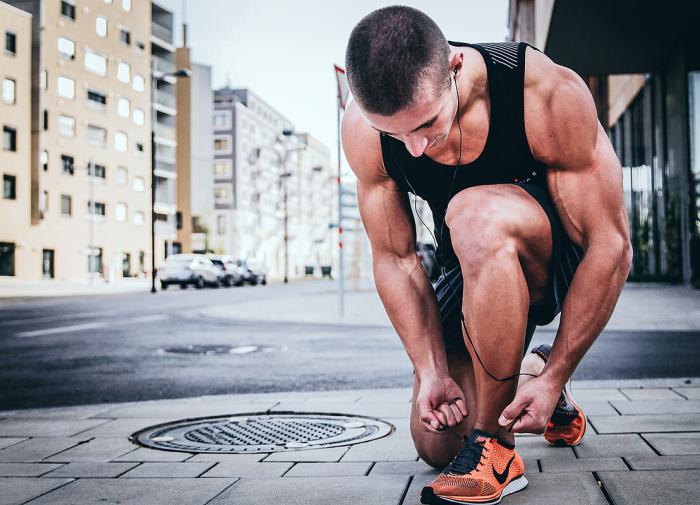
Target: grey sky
{"points": [[285, 50]]}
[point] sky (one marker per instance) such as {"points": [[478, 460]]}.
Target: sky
{"points": [[285, 50]]}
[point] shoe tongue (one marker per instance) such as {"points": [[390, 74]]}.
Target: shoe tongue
{"points": [[479, 436]]}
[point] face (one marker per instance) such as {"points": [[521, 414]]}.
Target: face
{"points": [[422, 125]]}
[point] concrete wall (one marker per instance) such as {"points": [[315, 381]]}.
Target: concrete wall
{"points": [[621, 91]]}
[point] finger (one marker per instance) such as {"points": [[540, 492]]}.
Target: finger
{"points": [[513, 410], [440, 416], [430, 422], [461, 405], [528, 424], [457, 413], [447, 412]]}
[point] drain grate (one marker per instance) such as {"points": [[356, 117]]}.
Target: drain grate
{"points": [[209, 349], [257, 433]]}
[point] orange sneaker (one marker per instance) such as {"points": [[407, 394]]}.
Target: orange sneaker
{"points": [[567, 425], [484, 471]]}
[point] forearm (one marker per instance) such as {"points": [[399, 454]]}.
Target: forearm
{"points": [[409, 301], [588, 305]]}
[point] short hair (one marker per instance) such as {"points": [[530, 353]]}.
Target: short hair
{"points": [[391, 53]]}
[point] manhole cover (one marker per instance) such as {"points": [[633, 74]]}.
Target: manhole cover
{"points": [[215, 349], [255, 433]]}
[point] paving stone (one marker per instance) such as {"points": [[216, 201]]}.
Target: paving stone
{"points": [[253, 470], [537, 447], [605, 446], [670, 444], [372, 490], [679, 487], [600, 408], [242, 458], [25, 469], [96, 449], [689, 393], [328, 469], [404, 468], [658, 407], [596, 395], [645, 423], [92, 470], [543, 489], [137, 491], [397, 446], [145, 454], [8, 441], [689, 462], [79, 412], [361, 408], [16, 490], [309, 456], [651, 394], [583, 465], [123, 427], [169, 470], [22, 427], [37, 449]]}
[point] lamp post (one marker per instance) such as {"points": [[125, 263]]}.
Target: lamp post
{"points": [[155, 75]]}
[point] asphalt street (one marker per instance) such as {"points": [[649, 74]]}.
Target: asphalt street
{"points": [[139, 346]]}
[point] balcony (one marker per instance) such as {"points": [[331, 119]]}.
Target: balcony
{"points": [[161, 32], [163, 66], [165, 132], [165, 192]]}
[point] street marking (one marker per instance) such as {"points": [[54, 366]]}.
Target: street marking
{"points": [[146, 319], [46, 319], [61, 329]]}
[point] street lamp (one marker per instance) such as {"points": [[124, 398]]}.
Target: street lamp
{"points": [[155, 75]]}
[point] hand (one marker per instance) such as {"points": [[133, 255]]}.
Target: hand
{"points": [[532, 406], [440, 401]]}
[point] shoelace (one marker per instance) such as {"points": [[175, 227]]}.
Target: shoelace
{"points": [[467, 459]]}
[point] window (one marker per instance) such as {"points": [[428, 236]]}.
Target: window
{"points": [[138, 218], [45, 119], [139, 83], [44, 203], [140, 46], [7, 258], [96, 208], [123, 72], [222, 167], [122, 176], [42, 79], [139, 117], [125, 36], [68, 9], [139, 147], [126, 5], [94, 260], [9, 87], [97, 99], [9, 138], [120, 141], [66, 87], [66, 205], [222, 192], [123, 106], [97, 170], [10, 43], [95, 62], [120, 212], [44, 160], [68, 164], [222, 119], [221, 224], [66, 48], [66, 126], [96, 135], [101, 26], [222, 144], [139, 184], [9, 187]]}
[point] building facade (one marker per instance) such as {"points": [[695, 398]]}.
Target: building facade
{"points": [[646, 84], [88, 152]]}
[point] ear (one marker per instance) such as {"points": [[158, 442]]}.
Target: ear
{"points": [[456, 61]]}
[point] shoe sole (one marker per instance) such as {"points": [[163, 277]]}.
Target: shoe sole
{"points": [[429, 497], [562, 443]]}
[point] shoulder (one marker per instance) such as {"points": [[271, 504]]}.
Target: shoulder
{"points": [[560, 116], [362, 146]]}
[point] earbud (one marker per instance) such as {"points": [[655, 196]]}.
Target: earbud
{"points": [[455, 72]]}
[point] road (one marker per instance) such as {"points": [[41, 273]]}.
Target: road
{"points": [[128, 347]]}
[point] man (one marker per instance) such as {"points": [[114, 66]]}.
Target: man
{"points": [[526, 195]]}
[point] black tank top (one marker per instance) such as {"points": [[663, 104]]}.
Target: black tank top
{"points": [[506, 157]]}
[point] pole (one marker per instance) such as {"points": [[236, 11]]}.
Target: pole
{"points": [[91, 180], [341, 269], [286, 230], [154, 90]]}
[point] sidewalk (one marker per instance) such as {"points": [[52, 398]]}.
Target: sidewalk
{"points": [[15, 288], [643, 446]]}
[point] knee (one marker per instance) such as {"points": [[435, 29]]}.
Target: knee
{"points": [[438, 458]]}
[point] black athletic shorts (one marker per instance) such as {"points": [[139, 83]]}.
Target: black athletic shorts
{"points": [[566, 257]]}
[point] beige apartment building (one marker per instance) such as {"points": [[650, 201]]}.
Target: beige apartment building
{"points": [[15, 120], [82, 180]]}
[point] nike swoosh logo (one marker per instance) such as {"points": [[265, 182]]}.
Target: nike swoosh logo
{"points": [[502, 477]]}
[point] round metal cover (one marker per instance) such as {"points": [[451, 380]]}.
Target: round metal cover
{"points": [[209, 349], [258, 433]]}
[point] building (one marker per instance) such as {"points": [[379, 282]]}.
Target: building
{"points": [[641, 60], [15, 156], [84, 186]]}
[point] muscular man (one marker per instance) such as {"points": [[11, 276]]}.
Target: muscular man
{"points": [[526, 195]]}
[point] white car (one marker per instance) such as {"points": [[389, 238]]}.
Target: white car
{"points": [[186, 269]]}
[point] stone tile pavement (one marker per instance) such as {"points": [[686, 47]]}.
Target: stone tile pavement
{"points": [[643, 446]]}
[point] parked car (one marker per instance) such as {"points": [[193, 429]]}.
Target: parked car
{"points": [[230, 274], [252, 274], [426, 253], [188, 269]]}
